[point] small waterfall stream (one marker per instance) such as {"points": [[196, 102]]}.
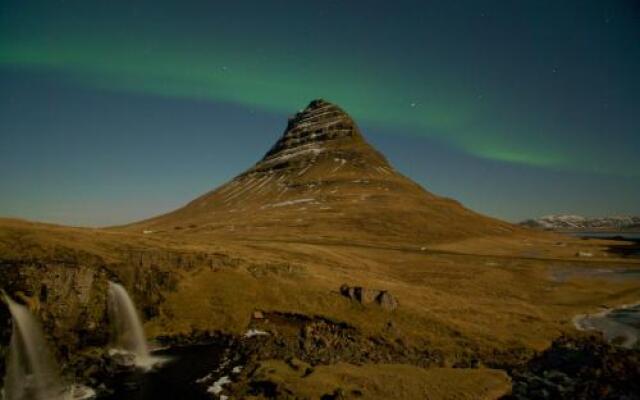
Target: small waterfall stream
{"points": [[31, 370], [126, 327]]}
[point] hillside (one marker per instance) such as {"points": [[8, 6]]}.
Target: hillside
{"points": [[322, 180]]}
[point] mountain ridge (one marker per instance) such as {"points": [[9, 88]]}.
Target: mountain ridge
{"points": [[579, 222]]}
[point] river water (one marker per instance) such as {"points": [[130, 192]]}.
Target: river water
{"points": [[187, 375], [608, 235], [624, 249], [620, 325]]}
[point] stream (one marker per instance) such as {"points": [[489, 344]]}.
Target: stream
{"points": [[187, 375]]}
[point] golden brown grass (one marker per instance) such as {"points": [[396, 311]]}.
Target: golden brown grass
{"points": [[387, 381], [472, 297]]}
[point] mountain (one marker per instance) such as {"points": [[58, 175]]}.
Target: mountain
{"points": [[580, 223], [322, 179]]}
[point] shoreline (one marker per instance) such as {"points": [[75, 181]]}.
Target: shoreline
{"points": [[608, 327]]}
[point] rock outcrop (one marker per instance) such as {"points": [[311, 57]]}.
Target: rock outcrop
{"points": [[366, 296], [579, 368], [322, 130], [319, 340]]}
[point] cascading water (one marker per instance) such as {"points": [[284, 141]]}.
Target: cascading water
{"points": [[32, 373], [126, 328]]}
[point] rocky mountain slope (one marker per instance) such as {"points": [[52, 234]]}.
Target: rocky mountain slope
{"points": [[323, 180], [580, 223]]}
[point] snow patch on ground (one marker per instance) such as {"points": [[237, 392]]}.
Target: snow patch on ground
{"points": [[287, 203], [217, 386], [80, 392], [264, 182], [307, 149], [383, 170], [205, 378], [236, 370], [255, 332], [304, 170], [341, 162], [238, 193]]}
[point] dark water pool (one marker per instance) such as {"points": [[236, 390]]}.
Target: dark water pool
{"points": [[620, 326], [176, 378], [609, 235], [629, 316], [562, 274], [629, 241]]}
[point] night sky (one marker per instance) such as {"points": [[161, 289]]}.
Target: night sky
{"points": [[112, 111]]}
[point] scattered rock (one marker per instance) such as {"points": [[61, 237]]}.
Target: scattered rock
{"points": [[387, 301], [366, 296], [255, 332], [315, 340], [258, 315], [337, 394]]}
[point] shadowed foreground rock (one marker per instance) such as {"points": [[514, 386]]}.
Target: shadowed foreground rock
{"points": [[585, 368]]}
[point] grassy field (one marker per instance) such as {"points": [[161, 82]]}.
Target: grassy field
{"points": [[491, 298], [384, 381]]}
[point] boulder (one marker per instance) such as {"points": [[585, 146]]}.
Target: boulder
{"points": [[258, 314], [366, 296], [387, 301]]}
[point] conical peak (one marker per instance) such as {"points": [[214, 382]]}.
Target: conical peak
{"points": [[323, 180], [320, 123], [321, 117], [318, 107]]}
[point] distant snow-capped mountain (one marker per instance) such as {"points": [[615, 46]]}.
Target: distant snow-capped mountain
{"points": [[578, 222]]}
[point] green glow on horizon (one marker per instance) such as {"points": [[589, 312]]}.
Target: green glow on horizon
{"points": [[284, 83]]}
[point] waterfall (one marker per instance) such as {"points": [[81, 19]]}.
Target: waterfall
{"points": [[126, 328], [31, 371]]}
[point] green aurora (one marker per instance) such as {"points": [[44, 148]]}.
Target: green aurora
{"points": [[277, 71]]}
